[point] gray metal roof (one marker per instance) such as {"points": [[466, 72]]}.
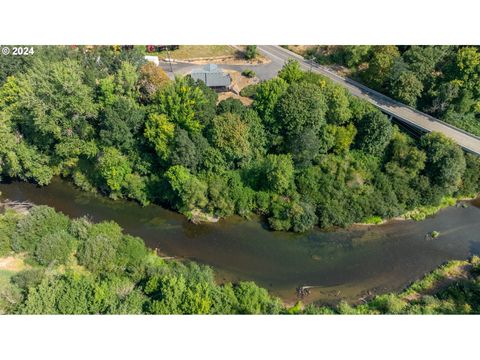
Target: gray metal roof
{"points": [[212, 76]]}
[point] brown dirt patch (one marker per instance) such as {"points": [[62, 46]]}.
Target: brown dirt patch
{"points": [[11, 263], [228, 94]]}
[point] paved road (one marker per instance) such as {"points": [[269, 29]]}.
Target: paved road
{"points": [[404, 113], [263, 71]]}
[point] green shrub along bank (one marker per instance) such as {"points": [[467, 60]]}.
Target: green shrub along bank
{"points": [[453, 288], [305, 153], [443, 81], [77, 267]]}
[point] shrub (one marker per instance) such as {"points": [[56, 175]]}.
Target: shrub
{"points": [[249, 90], [251, 52], [132, 253], [249, 73], [28, 278], [99, 251]]}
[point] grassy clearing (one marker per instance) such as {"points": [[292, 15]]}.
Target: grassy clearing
{"points": [[9, 266], [5, 276], [186, 52]]}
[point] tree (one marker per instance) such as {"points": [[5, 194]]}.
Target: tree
{"points": [[254, 300], [55, 248], [19, 159], [231, 105], [184, 151], [407, 156], [279, 171], [291, 71], [127, 80], [230, 135], [132, 254], [152, 79], [354, 55], [304, 147], [120, 124], [266, 96], [290, 215], [467, 68], [56, 109], [40, 222], [257, 135], [445, 163], [471, 178], [136, 188], [374, 132], [189, 191], [424, 61], [205, 110], [338, 102], [302, 107], [407, 88], [99, 252], [343, 137], [8, 223], [10, 66], [304, 218], [379, 66], [180, 102], [113, 167], [177, 295], [250, 52], [160, 131]]}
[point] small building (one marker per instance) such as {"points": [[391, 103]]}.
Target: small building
{"points": [[213, 77]]}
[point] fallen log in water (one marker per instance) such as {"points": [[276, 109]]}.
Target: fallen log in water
{"points": [[17, 205]]}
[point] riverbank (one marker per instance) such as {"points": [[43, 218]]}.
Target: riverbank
{"points": [[414, 298], [348, 262], [422, 212]]}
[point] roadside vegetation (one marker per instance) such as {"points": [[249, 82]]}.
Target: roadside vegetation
{"points": [[305, 152], [443, 81], [51, 264]]}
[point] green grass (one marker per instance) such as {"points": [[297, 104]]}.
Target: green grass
{"points": [[186, 52], [373, 220], [5, 276], [421, 213], [431, 280]]}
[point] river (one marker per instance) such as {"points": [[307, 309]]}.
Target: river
{"points": [[341, 264]]}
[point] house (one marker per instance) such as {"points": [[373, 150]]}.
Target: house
{"points": [[213, 77]]}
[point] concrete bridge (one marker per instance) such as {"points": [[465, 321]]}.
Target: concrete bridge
{"points": [[406, 115]]}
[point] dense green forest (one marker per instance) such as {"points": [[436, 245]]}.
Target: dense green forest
{"points": [[443, 81], [67, 266], [304, 153]]}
